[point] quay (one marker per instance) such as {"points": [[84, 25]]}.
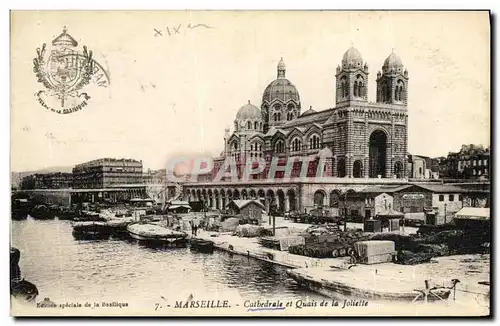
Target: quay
{"points": [[334, 277]]}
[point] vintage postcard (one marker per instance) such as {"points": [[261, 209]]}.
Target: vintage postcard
{"points": [[250, 163]]}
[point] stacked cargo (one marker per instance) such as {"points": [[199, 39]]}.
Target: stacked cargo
{"points": [[327, 242], [375, 252], [281, 243]]}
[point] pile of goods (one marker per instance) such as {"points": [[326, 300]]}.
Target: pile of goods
{"points": [[230, 224], [251, 231], [282, 243], [375, 251], [327, 241], [444, 241]]}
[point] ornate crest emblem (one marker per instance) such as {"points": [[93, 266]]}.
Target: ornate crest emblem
{"points": [[64, 72]]}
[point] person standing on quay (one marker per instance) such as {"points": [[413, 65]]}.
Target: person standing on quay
{"points": [[194, 226]]}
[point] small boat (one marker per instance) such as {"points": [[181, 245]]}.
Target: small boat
{"points": [[118, 226], [91, 230], [42, 212], [66, 214], [86, 216], [156, 234], [19, 287], [20, 209], [201, 245]]}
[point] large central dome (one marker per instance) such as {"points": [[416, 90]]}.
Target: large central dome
{"points": [[281, 89]]}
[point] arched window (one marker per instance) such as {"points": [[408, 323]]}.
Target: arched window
{"points": [[251, 147], [275, 117], [249, 125], [296, 145], [255, 125], [260, 125], [360, 89], [314, 142], [356, 88], [383, 91], [400, 91], [235, 146], [344, 87], [279, 147], [279, 116]]}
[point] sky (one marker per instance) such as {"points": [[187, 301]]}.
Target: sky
{"points": [[174, 94]]}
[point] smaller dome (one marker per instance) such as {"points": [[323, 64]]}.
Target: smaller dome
{"points": [[352, 58], [310, 111], [248, 111], [392, 61]]}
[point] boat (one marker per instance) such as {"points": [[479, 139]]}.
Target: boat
{"points": [[86, 216], [154, 233], [67, 214], [201, 245], [20, 209], [118, 226], [19, 287], [91, 230], [42, 212]]}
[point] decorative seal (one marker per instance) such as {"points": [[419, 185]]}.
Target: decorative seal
{"points": [[67, 75]]}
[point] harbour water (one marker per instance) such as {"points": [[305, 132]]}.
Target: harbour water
{"points": [[118, 271]]}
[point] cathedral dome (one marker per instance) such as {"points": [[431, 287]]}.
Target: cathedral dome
{"points": [[392, 62], [352, 58], [281, 89], [248, 111]]}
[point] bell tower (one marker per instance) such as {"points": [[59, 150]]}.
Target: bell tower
{"points": [[351, 79], [392, 82]]}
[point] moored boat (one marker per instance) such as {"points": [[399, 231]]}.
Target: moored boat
{"points": [[20, 209], [201, 245], [118, 226], [91, 230], [154, 233], [19, 287], [42, 212]]}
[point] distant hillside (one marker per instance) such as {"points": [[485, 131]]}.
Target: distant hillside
{"points": [[16, 177]]}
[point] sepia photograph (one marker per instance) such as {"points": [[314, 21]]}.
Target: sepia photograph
{"points": [[250, 163]]}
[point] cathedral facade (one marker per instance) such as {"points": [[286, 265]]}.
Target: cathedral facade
{"points": [[361, 140]]}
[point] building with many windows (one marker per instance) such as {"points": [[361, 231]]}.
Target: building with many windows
{"points": [[56, 180], [471, 162], [107, 172]]}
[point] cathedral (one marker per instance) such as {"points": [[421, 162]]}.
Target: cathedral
{"points": [[362, 140], [366, 139]]}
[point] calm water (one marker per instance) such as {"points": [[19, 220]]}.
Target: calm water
{"points": [[66, 270]]}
